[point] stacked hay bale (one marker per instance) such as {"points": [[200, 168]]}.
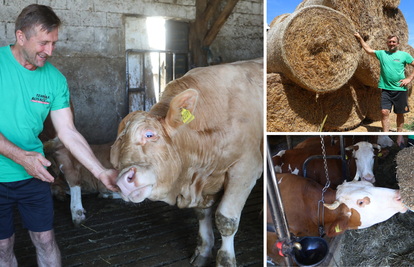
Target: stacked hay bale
{"points": [[315, 49]]}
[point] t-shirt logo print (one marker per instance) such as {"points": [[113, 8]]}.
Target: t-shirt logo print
{"points": [[42, 99]]}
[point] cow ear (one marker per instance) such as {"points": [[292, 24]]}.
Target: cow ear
{"points": [[338, 226], [182, 108]]}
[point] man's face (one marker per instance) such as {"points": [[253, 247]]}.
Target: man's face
{"points": [[40, 46], [392, 44]]}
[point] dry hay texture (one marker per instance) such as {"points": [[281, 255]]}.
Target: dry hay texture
{"points": [[405, 176], [279, 19], [303, 110], [389, 243], [315, 48]]}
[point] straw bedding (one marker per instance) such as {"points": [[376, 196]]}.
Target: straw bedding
{"points": [[315, 48], [293, 109], [405, 174]]}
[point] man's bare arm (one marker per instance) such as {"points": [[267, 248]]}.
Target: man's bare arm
{"points": [[407, 80], [365, 46], [32, 162], [63, 121]]}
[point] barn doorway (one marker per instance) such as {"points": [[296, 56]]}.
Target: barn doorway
{"points": [[156, 53]]}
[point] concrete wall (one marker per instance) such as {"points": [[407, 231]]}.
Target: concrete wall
{"points": [[91, 49]]}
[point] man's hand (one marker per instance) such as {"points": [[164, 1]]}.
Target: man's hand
{"points": [[108, 178], [34, 163], [356, 34], [404, 82]]}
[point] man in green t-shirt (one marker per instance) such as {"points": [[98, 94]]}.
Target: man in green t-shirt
{"points": [[392, 80], [30, 88]]}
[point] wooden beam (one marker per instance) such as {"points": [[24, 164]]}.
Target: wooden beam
{"points": [[211, 7], [212, 33], [198, 30]]}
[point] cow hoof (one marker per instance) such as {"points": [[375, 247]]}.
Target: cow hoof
{"points": [[79, 218], [224, 259], [199, 260]]}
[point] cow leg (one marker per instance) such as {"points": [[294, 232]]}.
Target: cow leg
{"points": [[240, 181], [205, 240], [78, 212]]}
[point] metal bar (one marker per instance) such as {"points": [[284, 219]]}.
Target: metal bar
{"points": [[127, 83], [276, 206], [159, 73], [305, 164], [343, 156], [157, 51], [137, 90], [174, 55], [143, 78], [289, 141]]}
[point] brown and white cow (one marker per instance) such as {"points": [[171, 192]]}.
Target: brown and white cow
{"points": [[218, 153], [361, 162], [67, 168], [354, 205]]}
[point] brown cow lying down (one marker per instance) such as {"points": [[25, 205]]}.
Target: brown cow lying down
{"points": [[80, 180], [354, 205], [219, 152]]}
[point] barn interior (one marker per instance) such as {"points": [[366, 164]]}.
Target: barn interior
{"points": [[384, 244], [117, 57]]}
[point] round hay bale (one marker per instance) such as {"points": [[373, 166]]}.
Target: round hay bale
{"points": [[321, 58], [391, 4], [306, 3], [374, 107], [293, 109], [405, 173], [279, 19], [374, 23]]}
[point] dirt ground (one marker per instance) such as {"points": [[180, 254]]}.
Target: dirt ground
{"points": [[375, 126], [148, 234]]}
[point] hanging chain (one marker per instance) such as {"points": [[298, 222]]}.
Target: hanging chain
{"points": [[348, 161], [327, 184]]}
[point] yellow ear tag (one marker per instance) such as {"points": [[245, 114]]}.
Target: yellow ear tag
{"points": [[346, 157], [186, 115], [337, 229], [379, 154]]}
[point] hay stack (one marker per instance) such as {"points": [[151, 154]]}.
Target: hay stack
{"points": [[374, 23], [315, 48], [279, 19], [305, 3], [405, 176], [293, 109]]}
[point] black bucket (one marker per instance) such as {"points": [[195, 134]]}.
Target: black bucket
{"points": [[314, 251]]}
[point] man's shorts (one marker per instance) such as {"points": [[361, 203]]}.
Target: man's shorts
{"points": [[35, 203], [398, 99]]}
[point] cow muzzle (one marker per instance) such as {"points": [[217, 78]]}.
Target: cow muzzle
{"points": [[136, 184]]}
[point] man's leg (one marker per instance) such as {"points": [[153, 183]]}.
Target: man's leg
{"points": [[47, 250], [7, 257], [385, 120], [400, 125]]}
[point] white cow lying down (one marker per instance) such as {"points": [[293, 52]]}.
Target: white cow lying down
{"points": [[66, 168]]}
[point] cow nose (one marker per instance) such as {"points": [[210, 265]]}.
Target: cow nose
{"points": [[130, 175]]}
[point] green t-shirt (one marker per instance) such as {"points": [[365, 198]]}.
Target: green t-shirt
{"points": [[26, 98], [392, 69]]}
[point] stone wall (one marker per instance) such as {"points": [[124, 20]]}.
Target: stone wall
{"points": [[91, 49]]}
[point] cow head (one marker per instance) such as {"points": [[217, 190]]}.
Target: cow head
{"points": [[144, 153], [363, 152], [364, 206]]}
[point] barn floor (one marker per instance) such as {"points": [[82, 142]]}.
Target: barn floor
{"points": [[117, 233]]}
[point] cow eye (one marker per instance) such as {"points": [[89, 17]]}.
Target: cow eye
{"points": [[360, 202], [149, 134], [356, 158]]}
